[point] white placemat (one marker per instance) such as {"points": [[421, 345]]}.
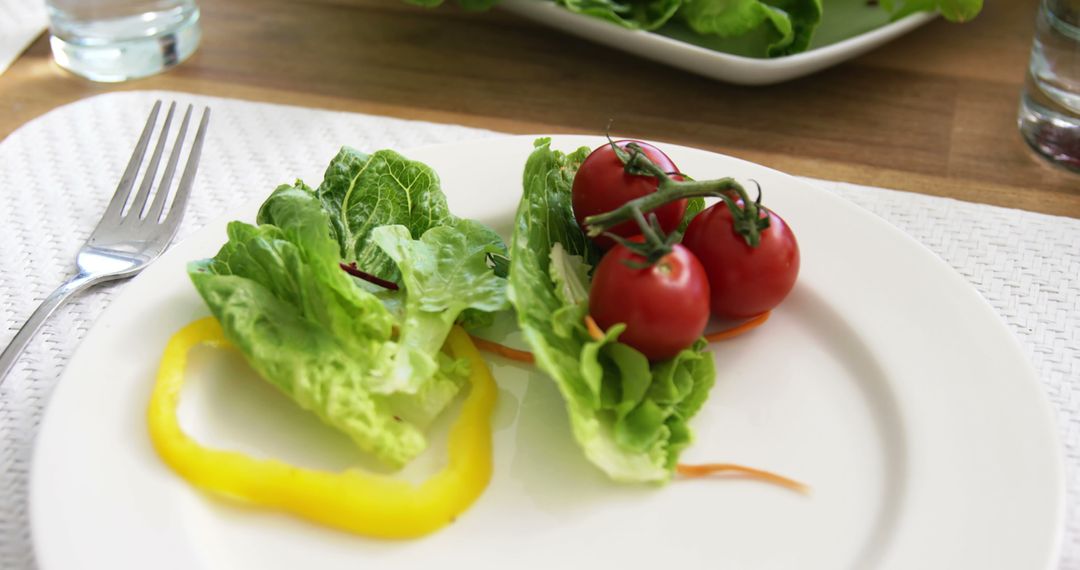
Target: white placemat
{"points": [[21, 22], [59, 171]]}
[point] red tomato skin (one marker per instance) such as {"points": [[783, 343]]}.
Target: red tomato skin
{"points": [[745, 281], [665, 307], [602, 184]]}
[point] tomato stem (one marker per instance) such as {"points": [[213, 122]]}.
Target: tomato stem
{"points": [[655, 245], [746, 213]]}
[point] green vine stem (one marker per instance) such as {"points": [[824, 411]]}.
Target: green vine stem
{"points": [[654, 244], [745, 213]]}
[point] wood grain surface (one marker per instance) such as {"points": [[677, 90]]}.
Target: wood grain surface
{"points": [[932, 112]]}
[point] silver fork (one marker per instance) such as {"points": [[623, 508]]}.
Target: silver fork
{"points": [[127, 238]]}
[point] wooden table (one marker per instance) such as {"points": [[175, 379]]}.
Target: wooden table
{"points": [[933, 112]]}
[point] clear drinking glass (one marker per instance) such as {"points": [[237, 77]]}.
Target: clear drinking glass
{"points": [[117, 40], [1050, 105]]}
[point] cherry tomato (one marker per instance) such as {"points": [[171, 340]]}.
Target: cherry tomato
{"points": [[602, 184], [745, 281], [665, 307]]}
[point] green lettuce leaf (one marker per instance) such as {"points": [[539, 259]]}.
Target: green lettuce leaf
{"points": [[569, 274], [951, 10], [303, 325], [326, 339], [633, 14], [629, 416], [362, 192], [444, 272], [694, 206], [791, 23]]}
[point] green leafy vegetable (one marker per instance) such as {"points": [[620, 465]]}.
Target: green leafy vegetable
{"points": [[570, 275], [362, 192], [952, 10], [805, 16], [633, 14], [694, 206], [326, 339], [628, 416], [445, 272], [791, 23], [756, 28], [303, 325]]}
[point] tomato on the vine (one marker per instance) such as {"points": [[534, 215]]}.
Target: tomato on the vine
{"points": [[665, 306], [602, 184], [744, 280]]}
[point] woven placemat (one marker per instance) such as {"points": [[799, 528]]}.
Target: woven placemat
{"points": [[59, 171]]}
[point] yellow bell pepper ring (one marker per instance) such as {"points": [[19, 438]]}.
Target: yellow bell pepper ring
{"points": [[356, 501]]}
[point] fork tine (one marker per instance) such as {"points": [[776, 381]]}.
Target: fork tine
{"points": [[158, 205], [138, 203], [187, 179], [127, 181]]}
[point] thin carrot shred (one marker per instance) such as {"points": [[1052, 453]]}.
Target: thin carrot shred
{"points": [[705, 469], [597, 334], [505, 351], [594, 329], [739, 329]]}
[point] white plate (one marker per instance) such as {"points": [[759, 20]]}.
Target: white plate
{"points": [[884, 381], [680, 48]]}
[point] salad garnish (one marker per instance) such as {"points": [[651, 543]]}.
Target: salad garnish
{"points": [[629, 415], [748, 252], [352, 500], [706, 469]]}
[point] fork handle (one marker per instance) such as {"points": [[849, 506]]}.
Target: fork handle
{"points": [[46, 308]]}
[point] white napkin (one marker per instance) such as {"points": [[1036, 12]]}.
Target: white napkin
{"points": [[21, 22]]}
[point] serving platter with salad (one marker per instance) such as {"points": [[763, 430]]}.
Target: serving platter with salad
{"points": [[338, 433], [848, 29], [749, 42]]}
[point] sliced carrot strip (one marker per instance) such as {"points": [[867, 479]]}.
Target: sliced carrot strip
{"points": [[739, 329], [502, 350], [705, 469], [594, 329]]}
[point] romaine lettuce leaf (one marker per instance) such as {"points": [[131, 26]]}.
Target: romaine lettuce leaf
{"points": [[791, 22], [328, 340], [694, 206], [633, 14], [303, 325], [444, 272], [630, 417], [362, 192], [951, 10]]}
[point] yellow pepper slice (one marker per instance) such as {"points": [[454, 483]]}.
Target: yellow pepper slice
{"points": [[352, 500]]}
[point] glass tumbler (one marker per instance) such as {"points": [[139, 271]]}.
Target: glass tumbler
{"points": [[1050, 104], [117, 40]]}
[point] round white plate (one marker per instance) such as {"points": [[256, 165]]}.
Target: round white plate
{"points": [[884, 381]]}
